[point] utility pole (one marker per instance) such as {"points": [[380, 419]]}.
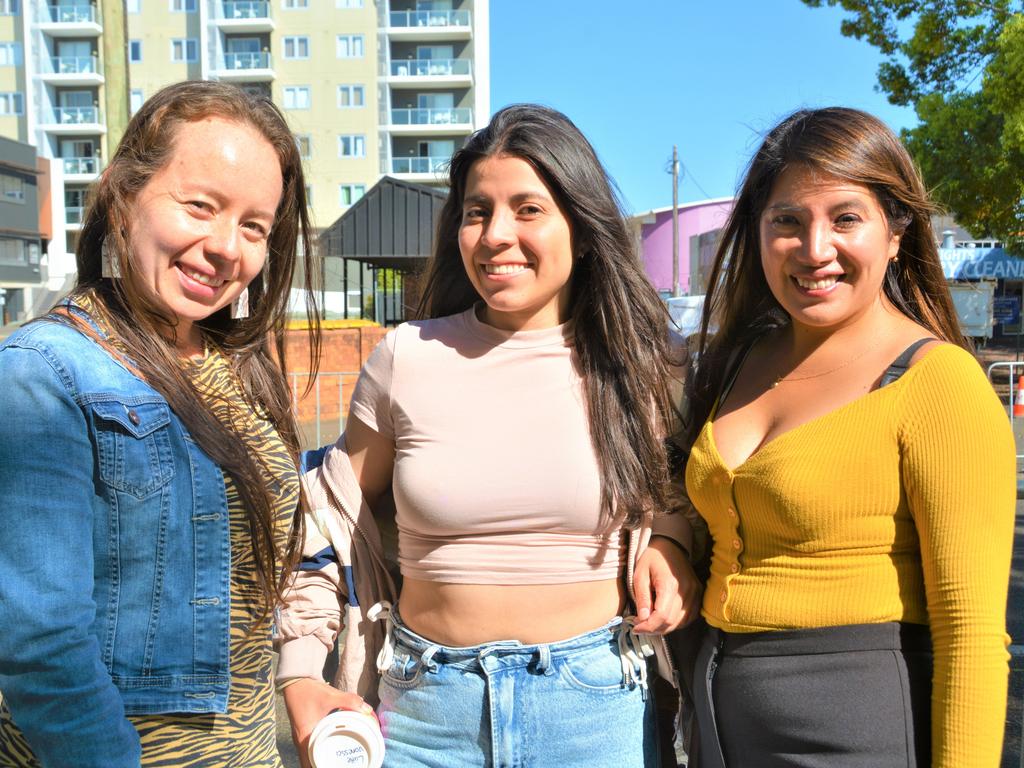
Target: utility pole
{"points": [[675, 221]]}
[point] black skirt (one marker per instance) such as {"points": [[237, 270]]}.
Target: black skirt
{"points": [[835, 697]]}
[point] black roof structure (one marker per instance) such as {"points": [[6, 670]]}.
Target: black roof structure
{"points": [[390, 227]]}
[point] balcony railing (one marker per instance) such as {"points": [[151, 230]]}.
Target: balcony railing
{"points": [[246, 61], [74, 65], [426, 116], [246, 9], [419, 164], [430, 18], [429, 67], [80, 165], [69, 14], [76, 115], [73, 214]]}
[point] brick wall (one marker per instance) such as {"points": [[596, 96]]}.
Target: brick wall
{"points": [[342, 353]]}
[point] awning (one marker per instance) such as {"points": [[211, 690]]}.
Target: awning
{"points": [[391, 226]]}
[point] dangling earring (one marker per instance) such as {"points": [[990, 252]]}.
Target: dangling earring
{"points": [[110, 267], [240, 306]]}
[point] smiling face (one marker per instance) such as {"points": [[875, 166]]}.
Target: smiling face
{"points": [[199, 228], [825, 247], [516, 245]]}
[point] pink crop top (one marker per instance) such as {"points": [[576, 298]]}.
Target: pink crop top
{"points": [[495, 479]]}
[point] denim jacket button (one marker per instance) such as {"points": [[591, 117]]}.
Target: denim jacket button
{"points": [[133, 417]]}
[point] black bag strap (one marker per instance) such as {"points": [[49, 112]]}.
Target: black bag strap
{"points": [[902, 363]]}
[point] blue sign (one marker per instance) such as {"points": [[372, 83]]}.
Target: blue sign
{"points": [[1006, 309], [980, 264]]}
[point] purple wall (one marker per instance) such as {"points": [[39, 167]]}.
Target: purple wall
{"points": [[656, 238]]}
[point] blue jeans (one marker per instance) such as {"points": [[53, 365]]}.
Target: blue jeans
{"points": [[509, 705]]}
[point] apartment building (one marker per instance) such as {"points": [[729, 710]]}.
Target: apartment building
{"points": [[22, 221], [369, 87]]}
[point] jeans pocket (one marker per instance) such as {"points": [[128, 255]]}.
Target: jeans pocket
{"points": [[133, 445], [404, 671], [596, 670]]}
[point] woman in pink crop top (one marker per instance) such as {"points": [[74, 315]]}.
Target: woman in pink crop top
{"points": [[521, 428]]}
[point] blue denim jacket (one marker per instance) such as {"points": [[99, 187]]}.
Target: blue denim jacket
{"points": [[114, 553]]}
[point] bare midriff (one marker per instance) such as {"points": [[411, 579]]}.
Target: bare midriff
{"points": [[461, 615]]}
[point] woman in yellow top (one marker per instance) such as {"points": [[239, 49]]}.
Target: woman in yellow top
{"points": [[855, 469]]}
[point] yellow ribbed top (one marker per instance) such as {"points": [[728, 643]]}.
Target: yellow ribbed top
{"points": [[898, 506]]}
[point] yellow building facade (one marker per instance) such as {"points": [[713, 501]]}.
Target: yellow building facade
{"points": [[369, 87]]}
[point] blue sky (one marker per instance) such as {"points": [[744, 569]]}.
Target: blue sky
{"points": [[638, 76]]}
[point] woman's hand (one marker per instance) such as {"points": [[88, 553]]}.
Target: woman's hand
{"points": [[308, 702], [666, 588]]}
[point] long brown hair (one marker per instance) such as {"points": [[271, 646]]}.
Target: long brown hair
{"points": [[620, 324], [845, 144], [255, 345]]}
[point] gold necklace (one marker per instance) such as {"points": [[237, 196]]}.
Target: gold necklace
{"points": [[781, 379]]}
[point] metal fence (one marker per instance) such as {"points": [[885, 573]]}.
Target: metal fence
{"points": [[324, 404], [1004, 375]]}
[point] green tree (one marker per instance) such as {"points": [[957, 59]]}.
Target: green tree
{"points": [[960, 65]]}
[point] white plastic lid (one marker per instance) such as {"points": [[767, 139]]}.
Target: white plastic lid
{"points": [[347, 740]]}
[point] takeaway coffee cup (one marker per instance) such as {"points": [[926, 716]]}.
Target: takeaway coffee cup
{"points": [[346, 739]]}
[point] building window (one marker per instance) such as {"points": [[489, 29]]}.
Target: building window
{"points": [[9, 7], [133, 6], [183, 6], [296, 47], [352, 145], [185, 50], [296, 97], [18, 252], [350, 46], [351, 96], [305, 144], [12, 104], [135, 100], [10, 54], [348, 3], [12, 189], [350, 193], [294, 5], [134, 51]]}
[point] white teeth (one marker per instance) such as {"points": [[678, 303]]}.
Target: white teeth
{"points": [[504, 269], [816, 285], [204, 279]]}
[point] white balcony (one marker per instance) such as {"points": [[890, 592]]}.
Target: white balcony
{"points": [[79, 20], [431, 73], [80, 169], [430, 25], [71, 70], [244, 16], [242, 67], [73, 121], [425, 170], [413, 122]]}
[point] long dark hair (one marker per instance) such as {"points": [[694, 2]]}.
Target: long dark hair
{"points": [[845, 144], [255, 345], [621, 325]]}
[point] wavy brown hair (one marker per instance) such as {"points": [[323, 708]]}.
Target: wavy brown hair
{"points": [[840, 143], [620, 324], [254, 345]]}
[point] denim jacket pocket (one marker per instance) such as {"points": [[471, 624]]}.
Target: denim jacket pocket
{"points": [[133, 445]]}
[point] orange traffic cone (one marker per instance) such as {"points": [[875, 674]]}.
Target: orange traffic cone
{"points": [[1018, 400]]}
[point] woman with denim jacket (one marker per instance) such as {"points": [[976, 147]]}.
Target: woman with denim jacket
{"points": [[521, 428], [148, 457]]}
